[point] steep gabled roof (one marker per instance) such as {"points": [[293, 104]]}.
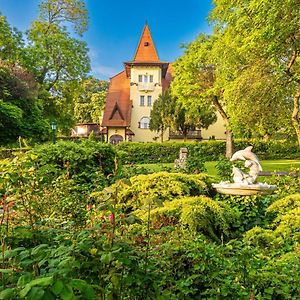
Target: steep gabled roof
{"points": [[117, 111], [167, 79], [146, 50], [146, 54]]}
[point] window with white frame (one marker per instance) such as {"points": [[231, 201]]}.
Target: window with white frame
{"points": [[144, 123], [149, 100], [142, 100], [145, 78]]}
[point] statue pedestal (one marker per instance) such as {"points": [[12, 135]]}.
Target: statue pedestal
{"points": [[244, 189]]}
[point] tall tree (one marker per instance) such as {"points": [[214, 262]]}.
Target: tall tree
{"points": [[266, 35], [57, 59], [162, 113], [168, 112], [60, 12], [90, 99], [20, 110], [195, 82], [11, 42]]}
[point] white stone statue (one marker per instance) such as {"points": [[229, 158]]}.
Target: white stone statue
{"points": [[245, 183], [246, 154], [238, 175], [251, 162]]}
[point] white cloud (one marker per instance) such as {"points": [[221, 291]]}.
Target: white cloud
{"points": [[104, 72]]}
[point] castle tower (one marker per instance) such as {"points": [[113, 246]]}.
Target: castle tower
{"points": [[132, 93]]}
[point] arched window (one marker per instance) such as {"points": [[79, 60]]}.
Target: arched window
{"points": [[144, 123]]}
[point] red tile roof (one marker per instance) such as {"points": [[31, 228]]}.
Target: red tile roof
{"points": [[166, 81], [118, 105], [146, 49], [117, 111]]}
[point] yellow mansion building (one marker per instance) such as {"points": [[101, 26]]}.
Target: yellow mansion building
{"points": [[132, 93]]}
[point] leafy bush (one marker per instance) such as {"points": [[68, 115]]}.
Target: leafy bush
{"points": [[224, 168], [84, 265], [160, 187], [284, 226], [80, 160], [142, 153], [195, 163], [194, 268], [199, 214], [51, 183], [251, 210]]}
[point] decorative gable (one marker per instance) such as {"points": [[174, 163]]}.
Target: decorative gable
{"points": [[116, 113]]}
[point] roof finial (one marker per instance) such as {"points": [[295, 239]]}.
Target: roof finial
{"points": [[146, 22]]}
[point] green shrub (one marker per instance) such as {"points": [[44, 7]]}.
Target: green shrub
{"points": [[283, 228], [78, 159], [284, 205], [142, 153], [224, 168], [51, 183], [195, 163], [251, 210], [159, 187], [199, 214]]}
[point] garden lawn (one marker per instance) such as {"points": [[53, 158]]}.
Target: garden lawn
{"points": [[267, 165]]}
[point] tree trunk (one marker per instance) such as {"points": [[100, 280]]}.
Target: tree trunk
{"points": [[229, 138], [229, 143], [162, 135], [295, 115]]}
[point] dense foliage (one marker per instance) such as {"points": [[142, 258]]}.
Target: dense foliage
{"points": [[235, 68], [56, 177], [168, 112], [207, 150], [158, 236], [20, 109], [44, 74]]}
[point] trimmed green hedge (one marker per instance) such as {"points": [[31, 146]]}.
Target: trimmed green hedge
{"points": [[143, 153]]}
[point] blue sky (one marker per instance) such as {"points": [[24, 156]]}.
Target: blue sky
{"points": [[115, 27]]}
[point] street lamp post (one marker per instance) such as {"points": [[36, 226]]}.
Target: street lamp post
{"points": [[53, 127]]}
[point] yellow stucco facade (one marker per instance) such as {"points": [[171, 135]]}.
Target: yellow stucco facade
{"points": [[132, 94], [216, 130], [145, 83], [116, 131]]}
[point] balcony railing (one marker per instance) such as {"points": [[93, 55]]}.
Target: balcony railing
{"points": [[146, 87], [191, 134]]}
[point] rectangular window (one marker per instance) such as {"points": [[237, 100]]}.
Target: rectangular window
{"points": [[142, 100], [151, 78], [145, 78], [149, 100], [140, 78]]}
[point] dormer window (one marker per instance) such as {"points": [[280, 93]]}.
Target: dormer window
{"points": [[146, 44]]}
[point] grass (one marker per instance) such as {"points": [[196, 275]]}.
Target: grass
{"points": [[267, 165]]}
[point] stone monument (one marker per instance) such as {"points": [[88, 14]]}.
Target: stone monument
{"points": [[180, 163]]}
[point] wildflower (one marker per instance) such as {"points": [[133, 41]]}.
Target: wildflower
{"points": [[111, 217]]}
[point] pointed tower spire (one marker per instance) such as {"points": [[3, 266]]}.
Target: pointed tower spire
{"points": [[146, 50]]}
